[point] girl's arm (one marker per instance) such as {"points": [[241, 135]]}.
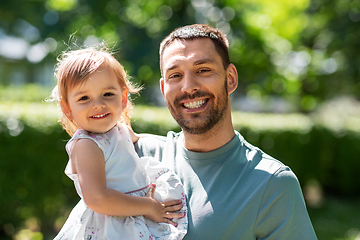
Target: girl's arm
{"points": [[90, 168]]}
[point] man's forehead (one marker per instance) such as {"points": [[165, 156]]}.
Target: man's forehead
{"points": [[188, 43], [188, 49]]}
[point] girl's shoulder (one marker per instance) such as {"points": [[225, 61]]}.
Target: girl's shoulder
{"points": [[103, 140], [99, 138]]}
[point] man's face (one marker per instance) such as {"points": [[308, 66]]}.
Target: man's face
{"points": [[195, 84]]}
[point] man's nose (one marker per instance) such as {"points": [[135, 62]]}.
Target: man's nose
{"points": [[190, 83]]}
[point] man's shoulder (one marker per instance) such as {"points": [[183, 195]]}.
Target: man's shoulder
{"points": [[146, 137], [154, 145], [152, 139], [149, 141], [259, 159]]}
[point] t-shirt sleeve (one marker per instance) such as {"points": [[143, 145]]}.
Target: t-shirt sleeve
{"points": [[150, 146], [282, 213]]}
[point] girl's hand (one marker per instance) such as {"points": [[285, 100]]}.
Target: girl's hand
{"points": [[163, 212]]}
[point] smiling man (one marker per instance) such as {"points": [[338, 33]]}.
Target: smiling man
{"points": [[233, 189]]}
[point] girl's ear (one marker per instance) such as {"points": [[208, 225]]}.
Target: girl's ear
{"points": [[66, 109], [124, 98]]}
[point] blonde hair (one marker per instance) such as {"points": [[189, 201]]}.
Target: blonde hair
{"points": [[74, 67]]}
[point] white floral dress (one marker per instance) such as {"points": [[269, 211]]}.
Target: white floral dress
{"points": [[127, 173]]}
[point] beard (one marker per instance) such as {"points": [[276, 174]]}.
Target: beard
{"points": [[196, 124]]}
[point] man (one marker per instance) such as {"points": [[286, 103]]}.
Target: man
{"points": [[233, 189]]}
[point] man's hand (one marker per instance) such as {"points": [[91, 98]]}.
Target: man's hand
{"points": [[133, 135]]}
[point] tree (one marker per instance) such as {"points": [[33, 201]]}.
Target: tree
{"points": [[300, 51]]}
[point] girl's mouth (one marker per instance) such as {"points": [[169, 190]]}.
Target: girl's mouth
{"points": [[100, 115]]}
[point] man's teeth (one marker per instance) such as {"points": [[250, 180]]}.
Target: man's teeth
{"points": [[99, 116], [196, 104]]}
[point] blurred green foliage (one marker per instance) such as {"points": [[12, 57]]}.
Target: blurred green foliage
{"points": [[302, 51], [37, 196], [26, 93], [336, 219]]}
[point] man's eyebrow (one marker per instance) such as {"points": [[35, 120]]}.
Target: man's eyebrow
{"points": [[197, 62], [171, 67], [204, 60]]}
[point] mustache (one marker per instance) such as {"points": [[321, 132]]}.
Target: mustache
{"points": [[198, 94]]}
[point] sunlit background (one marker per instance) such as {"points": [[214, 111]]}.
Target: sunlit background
{"points": [[298, 95]]}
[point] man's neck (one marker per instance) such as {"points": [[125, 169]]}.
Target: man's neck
{"points": [[218, 136]]}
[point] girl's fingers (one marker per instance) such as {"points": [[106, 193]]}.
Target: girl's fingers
{"points": [[171, 215], [174, 208], [169, 222], [172, 203], [151, 190]]}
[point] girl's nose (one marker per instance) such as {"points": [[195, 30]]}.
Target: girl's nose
{"points": [[98, 104]]}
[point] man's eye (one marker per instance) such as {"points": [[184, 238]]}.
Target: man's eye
{"points": [[173, 76], [204, 70], [84, 98]]}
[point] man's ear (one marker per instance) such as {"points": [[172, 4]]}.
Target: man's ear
{"points": [[232, 78], [66, 109], [124, 98], [162, 86]]}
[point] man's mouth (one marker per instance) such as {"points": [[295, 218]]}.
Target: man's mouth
{"points": [[195, 104], [100, 115]]}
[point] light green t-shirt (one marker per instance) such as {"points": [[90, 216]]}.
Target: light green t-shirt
{"points": [[234, 192]]}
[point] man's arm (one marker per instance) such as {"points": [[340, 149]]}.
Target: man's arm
{"points": [[283, 214]]}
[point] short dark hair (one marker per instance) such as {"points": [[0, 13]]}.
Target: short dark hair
{"points": [[199, 31]]}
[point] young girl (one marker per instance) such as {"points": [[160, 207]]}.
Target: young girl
{"points": [[113, 182]]}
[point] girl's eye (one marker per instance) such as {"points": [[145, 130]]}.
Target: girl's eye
{"points": [[84, 98], [108, 94]]}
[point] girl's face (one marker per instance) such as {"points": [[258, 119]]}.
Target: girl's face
{"points": [[97, 104]]}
